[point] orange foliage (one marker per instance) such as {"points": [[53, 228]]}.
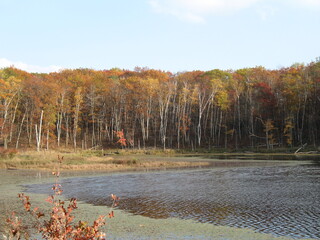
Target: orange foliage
{"points": [[60, 223]]}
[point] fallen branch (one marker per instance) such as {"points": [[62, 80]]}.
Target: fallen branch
{"points": [[302, 147]]}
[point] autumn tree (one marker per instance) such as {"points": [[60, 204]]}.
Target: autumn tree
{"points": [[156, 108]]}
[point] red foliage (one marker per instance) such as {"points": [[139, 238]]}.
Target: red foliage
{"points": [[122, 141], [15, 224], [59, 225], [264, 95]]}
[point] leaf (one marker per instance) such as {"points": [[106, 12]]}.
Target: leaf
{"points": [[111, 214]]}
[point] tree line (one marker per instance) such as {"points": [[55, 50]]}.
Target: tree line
{"points": [[85, 108]]}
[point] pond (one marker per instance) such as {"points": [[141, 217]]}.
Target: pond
{"points": [[281, 200]]}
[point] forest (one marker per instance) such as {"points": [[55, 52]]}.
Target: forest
{"points": [[86, 108]]}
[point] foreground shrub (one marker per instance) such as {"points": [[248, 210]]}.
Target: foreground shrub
{"points": [[59, 225]]}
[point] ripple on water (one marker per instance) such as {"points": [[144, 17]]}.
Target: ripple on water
{"points": [[283, 201]]}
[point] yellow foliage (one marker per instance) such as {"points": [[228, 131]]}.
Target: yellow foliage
{"points": [[223, 100], [288, 130]]}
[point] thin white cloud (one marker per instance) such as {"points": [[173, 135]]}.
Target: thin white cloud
{"points": [[309, 3], [175, 10], [265, 12], [29, 68], [197, 10]]}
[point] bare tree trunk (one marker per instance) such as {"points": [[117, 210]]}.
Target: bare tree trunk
{"points": [[20, 129], [59, 124], [164, 107], [59, 119], [38, 132], [78, 100], [67, 130], [48, 138], [6, 109], [203, 103], [29, 129], [13, 120], [75, 129]]}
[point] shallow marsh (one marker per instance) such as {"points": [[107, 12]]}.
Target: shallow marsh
{"points": [[126, 224]]}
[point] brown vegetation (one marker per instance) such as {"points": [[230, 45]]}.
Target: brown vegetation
{"points": [[92, 160]]}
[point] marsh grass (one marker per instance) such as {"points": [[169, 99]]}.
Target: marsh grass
{"points": [[112, 160], [124, 159]]}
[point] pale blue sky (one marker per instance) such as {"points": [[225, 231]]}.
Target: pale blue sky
{"points": [[172, 35]]}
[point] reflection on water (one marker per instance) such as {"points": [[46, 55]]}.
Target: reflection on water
{"points": [[283, 200], [281, 157]]}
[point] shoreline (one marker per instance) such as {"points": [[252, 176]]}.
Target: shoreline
{"points": [[139, 161], [124, 225], [96, 161]]}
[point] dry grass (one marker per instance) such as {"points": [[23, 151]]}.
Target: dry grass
{"points": [[91, 160]]}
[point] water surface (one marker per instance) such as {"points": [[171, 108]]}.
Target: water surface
{"points": [[281, 200]]}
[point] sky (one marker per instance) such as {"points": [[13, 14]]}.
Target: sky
{"points": [[170, 35]]}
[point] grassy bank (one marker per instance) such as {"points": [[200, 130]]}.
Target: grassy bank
{"points": [[115, 160], [134, 159]]}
